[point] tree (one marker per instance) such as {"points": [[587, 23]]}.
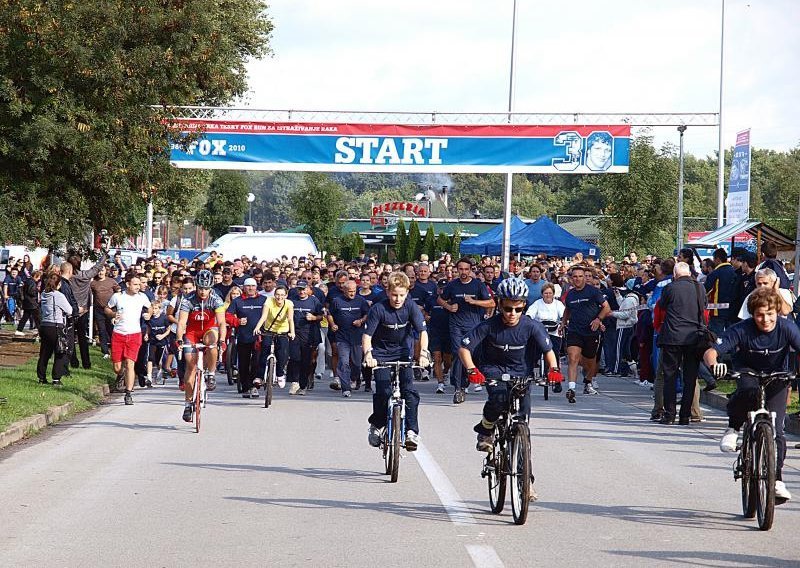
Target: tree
{"points": [[401, 242], [318, 203], [429, 244], [414, 241], [272, 209], [442, 243], [455, 243], [641, 204], [226, 203], [81, 147]]}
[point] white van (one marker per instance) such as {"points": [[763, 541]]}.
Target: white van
{"points": [[243, 241], [17, 252]]}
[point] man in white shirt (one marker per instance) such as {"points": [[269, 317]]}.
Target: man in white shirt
{"points": [[126, 308]]}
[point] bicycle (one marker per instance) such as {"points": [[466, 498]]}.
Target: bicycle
{"points": [[510, 457], [394, 434], [270, 376], [231, 364], [756, 463], [200, 395]]}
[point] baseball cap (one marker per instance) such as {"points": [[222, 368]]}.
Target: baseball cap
{"points": [[250, 282], [442, 282], [301, 284]]}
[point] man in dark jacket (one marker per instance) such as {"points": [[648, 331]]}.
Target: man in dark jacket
{"points": [[722, 289], [682, 303], [80, 282], [770, 252]]}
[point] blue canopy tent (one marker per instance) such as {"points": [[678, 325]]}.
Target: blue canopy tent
{"points": [[544, 236], [491, 242]]}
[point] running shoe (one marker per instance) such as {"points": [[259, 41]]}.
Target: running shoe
{"points": [[412, 441], [440, 388], [374, 436], [781, 493], [254, 393], [128, 398], [477, 388], [459, 396], [257, 382], [335, 384], [571, 396], [346, 394], [294, 388], [485, 443], [589, 389]]}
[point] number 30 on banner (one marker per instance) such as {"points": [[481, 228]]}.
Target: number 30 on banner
{"points": [[573, 148]]}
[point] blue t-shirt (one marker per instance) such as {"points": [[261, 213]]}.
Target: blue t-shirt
{"points": [[251, 309], [754, 349], [157, 325], [422, 291], [583, 305], [345, 311], [392, 330], [468, 315], [13, 285], [439, 316], [507, 349], [534, 290], [305, 330]]}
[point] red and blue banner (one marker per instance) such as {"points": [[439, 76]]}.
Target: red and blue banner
{"points": [[332, 147]]}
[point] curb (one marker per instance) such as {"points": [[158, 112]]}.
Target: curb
{"points": [[720, 402], [31, 425]]}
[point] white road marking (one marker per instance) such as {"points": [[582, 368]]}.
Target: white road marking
{"points": [[483, 555]]}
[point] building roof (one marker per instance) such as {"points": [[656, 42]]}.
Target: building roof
{"points": [[728, 232]]}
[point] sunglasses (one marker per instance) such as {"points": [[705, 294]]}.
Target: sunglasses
{"points": [[510, 309]]}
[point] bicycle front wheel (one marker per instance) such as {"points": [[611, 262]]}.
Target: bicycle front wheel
{"points": [[268, 382], [496, 475], [520, 472], [747, 479], [198, 399], [764, 462], [394, 444], [230, 361]]}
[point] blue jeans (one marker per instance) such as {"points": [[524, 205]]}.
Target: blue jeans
{"points": [[497, 403], [349, 366], [383, 391], [281, 354]]}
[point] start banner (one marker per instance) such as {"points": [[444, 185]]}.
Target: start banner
{"points": [[332, 147]]}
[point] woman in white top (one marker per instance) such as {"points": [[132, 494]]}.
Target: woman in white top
{"points": [[551, 310], [54, 308]]}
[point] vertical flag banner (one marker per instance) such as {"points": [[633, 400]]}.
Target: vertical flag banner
{"points": [[739, 186], [327, 147]]}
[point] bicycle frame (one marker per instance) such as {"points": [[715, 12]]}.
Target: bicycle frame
{"points": [[395, 399]]}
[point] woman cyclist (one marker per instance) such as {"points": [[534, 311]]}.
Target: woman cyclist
{"points": [[277, 317]]}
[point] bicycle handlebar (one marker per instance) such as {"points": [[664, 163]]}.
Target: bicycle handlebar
{"points": [[397, 365], [763, 377]]}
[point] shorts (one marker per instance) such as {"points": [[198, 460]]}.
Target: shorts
{"points": [[125, 346], [589, 344], [193, 336], [155, 352], [439, 340]]}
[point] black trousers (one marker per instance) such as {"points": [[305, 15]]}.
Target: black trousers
{"points": [[48, 337], [81, 330], [248, 364], [104, 330], [673, 359], [32, 316], [301, 364]]}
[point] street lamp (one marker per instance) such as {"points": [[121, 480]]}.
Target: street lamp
{"points": [[721, 157], [681, 129], [250, 198]]}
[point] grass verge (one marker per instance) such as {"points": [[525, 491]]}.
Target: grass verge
{"points": [[727, 387], [27, 397]]}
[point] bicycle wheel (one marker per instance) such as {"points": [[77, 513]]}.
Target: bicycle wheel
{"points": [[764, 467], [496, 478], [547, 391], [198, 399], [747, 479], [395, 443], [520, 473], [230, 362], [387, 451], [268, 382]]}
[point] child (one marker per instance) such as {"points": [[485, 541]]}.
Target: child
{"points": [[157, 333]]}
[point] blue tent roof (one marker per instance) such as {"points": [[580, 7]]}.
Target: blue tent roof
{"points": [[544, 236], [491, 242]]}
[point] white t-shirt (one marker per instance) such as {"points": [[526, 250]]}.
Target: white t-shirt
{"points": [[785, 294], [129, 311], [540, 311]]}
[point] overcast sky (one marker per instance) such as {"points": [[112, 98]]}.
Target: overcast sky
{"points": [[573, 56]]}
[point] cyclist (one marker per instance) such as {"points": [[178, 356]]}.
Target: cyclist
{"points": [[509, 343], [201, 319], [762, 344], [277, 316], [389, 337], [586, 307], [548, 310]]}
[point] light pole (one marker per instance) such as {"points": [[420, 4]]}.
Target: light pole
{"points": [[250, 198], [721, 157], [509, 176], [681, 129]]}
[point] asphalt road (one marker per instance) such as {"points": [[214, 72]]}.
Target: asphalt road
{"points": [[298, 484]]}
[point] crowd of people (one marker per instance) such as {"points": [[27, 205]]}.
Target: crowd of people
{"points": [[336, 319]]}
